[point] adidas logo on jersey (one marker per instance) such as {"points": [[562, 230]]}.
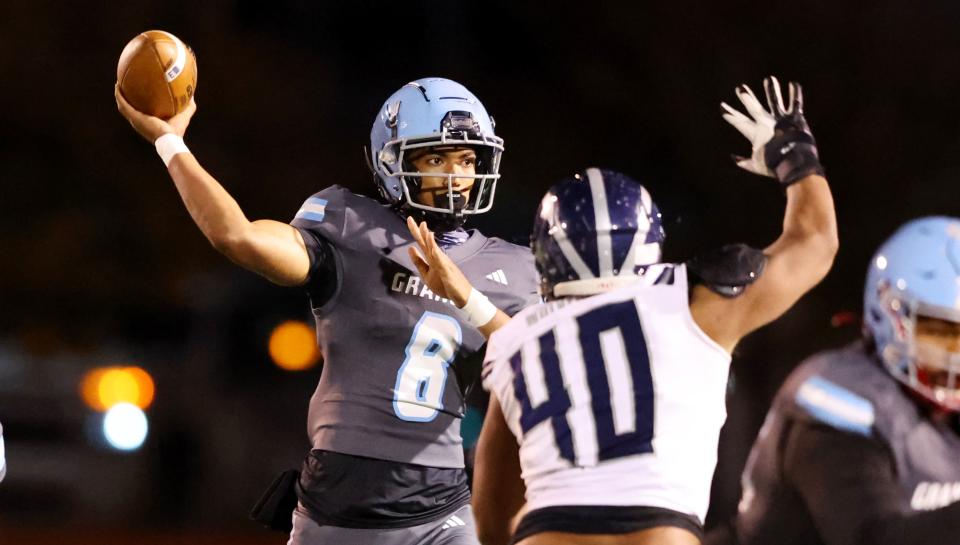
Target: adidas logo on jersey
{"points": [[498, 277], [453, 522], [928, 496]]}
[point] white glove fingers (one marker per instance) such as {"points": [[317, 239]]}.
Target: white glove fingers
{"points": [[748, 165], [729, 109], [796, 98], [742, 123], [774, 98], [751, 103]]}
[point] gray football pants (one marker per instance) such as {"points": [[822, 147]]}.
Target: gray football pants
{"points": [[456, 529]]}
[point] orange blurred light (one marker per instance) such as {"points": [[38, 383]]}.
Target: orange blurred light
{"points": [[145, 387], [293, 346], [104, 387]]}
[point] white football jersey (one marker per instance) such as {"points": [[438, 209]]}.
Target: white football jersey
{"points": [[616, 399]]}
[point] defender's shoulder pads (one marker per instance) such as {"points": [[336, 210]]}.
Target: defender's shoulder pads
{"points": [[728, 270]]}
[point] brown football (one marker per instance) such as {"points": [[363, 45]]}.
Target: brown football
{"points": [[157, 73]]}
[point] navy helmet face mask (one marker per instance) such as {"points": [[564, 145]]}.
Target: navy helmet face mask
{"points": [[434, 113], [593, 232]]}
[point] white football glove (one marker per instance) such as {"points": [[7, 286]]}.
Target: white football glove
{"points": [[783, 146], [758, 130]]}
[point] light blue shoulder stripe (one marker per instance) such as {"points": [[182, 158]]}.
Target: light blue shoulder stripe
{"points": [[836, 406], [312, 209]]}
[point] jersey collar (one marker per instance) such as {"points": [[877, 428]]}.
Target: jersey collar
{"points": [[459, 253]]}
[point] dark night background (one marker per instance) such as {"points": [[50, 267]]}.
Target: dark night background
{"points": [[102, 265]]}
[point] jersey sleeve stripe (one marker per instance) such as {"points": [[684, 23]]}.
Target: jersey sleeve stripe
{"points": [[836, 406], [313, 209]]}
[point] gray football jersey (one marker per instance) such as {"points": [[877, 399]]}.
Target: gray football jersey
{"points": [[397, 357], [849, 391]]}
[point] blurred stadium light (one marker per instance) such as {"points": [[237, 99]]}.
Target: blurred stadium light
{"points": [[55, 467], [125, 427], [293, 346], [105, 387]]}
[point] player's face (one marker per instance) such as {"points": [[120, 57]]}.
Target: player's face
{"points": [[939, 332], [938, 349], [444, 161]]}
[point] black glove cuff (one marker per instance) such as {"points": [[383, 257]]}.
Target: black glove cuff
{"points": [[792, 152], [799, 162]]}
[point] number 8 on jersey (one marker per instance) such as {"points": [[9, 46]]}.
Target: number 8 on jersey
{"points": [[418, 394]]}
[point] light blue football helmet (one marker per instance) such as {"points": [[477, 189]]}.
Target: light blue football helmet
{"points": [[916, 272], [426, 113]]}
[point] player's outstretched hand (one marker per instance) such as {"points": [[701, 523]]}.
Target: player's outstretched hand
{"points": [[439, 272], [151, 127], [783, 146]]}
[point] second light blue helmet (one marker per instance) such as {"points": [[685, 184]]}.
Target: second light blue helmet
{"points": [[426, 113], [915, 273]]}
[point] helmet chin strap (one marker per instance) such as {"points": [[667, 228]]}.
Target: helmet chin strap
{"points": [[444, 223], [440, 221]]}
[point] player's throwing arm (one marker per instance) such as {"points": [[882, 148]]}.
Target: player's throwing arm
{"points": [[269, 248]]}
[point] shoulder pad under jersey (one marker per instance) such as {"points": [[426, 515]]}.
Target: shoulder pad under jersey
{"points": [[324, 208], [728, 270], [326, 212]]}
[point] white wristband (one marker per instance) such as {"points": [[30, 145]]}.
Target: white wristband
{"points": [[169, 145], [479, 309]]}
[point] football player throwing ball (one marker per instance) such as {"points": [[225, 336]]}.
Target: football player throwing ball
{"points": [[387, 463]]}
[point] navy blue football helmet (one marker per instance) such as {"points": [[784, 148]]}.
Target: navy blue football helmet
{"points": [[595, 231]]}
